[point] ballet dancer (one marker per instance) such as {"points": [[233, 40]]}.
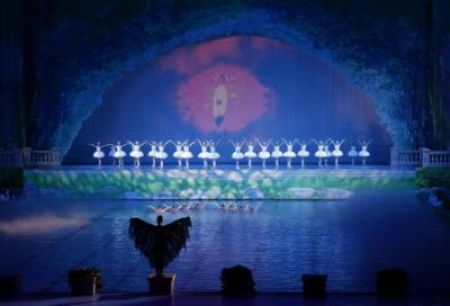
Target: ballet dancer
{"points": [[303, 153], [353, 153], [364, 153], [337, 152], [264, 153], [98, 154], [289, 154], [250, 154], [204, 155], [213, 154], [119, 154], [320, 153], [237, 154], [161, 154], [276, 153], [326, 149], [112, 150], [178, 151], [136, 152], [153, 150], [187, 154]]}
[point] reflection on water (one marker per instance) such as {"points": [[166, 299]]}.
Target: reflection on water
{"points": [[37, 225], [279, 240]]}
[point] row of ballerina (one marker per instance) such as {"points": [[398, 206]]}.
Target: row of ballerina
{"points": [[208, 152]]}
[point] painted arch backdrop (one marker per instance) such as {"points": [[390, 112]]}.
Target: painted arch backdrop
{"points": [[234, 88]]}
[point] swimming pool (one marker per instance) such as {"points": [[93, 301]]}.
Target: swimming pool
{"points": [[349, 240]]}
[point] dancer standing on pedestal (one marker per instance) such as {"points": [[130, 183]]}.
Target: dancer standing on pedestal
{"points": [[98, 154], [213, 154], [289, 154], [178, 152], [204, 154], [337, 152], [364, 153], [353, 153], [136, 152], [237, 154], [250, 154], [187, 154], [264, 153], [119, 154], [320, 153], [303, 153]]}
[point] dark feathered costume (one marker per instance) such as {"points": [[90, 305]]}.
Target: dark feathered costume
{"points": [[160, 243]]}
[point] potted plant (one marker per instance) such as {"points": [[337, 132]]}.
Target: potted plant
{"points": [[84, 281]]}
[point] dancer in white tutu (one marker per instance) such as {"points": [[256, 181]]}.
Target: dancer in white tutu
{"points": [[237, 154], [160, 154], [153, 150], [276, 153], [136, 152], [120, 153], [187, 154], [250, 153], [204, 154], [213, 154], [337, 152], [364, 153], [178, 152], [112, 150], [264, 154], [98, 154], [289, 154], [320, 153], [327, 151], [352, 153], [303, 153]]}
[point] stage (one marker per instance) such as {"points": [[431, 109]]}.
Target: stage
{"points": [[109, 182]]}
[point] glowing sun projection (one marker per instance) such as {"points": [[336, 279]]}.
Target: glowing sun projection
{"points": [[220, 93]]}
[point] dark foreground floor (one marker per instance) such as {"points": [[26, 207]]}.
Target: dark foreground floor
{"points": [[215, 299]]}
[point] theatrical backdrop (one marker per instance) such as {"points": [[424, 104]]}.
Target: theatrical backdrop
{"points": [[77, 73], [372, 74]]}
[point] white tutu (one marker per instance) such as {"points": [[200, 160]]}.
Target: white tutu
{"points": [[337, 153], [204, 155], [151, 153], [119, 154], [364, 154], [177, 154], [303, 154], [277, 154], [136, 154], [160, 155], [187, 155], [250, 154], [214, 155], [237, 155], [264, 155], [352, 153], [98, 154], [289, 154], [320, 154]]}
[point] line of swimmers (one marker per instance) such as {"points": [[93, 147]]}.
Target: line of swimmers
{"points": [[231, 207], [208, 152]]}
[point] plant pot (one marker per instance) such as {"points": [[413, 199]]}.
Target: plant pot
{"points": [[161, 285], [85, 286]]}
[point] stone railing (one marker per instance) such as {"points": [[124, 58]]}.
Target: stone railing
{"points": [[423, 157], [30, 158]]}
